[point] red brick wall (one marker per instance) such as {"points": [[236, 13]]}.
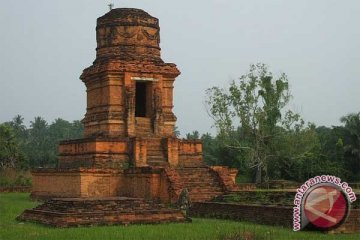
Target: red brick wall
{"points": [[94, 153], [269, 215], [56, 184], [190, 153], [137, 182]]}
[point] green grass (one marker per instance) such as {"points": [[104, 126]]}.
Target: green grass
{"points": [[12, 204]]}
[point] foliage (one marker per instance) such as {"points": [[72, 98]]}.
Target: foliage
{"points": [[249, 113], [193, 136], [12, 204], [351, 143], [10, 154], [256, 134], [176, 131], [22, 147], [10, 177]]}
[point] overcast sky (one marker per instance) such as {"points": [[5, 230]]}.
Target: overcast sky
{"points": [[45, 45]]}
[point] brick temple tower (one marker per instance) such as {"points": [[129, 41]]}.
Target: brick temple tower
{"points": [[129, 147], [129, 118], [129, 87]]}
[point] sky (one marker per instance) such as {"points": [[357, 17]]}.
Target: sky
{"points": [[45, 45]]}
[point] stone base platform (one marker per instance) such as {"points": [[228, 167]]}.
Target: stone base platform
{"points": [[74, 212]]}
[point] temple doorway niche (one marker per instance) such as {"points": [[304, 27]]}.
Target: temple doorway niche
{"points": [[143, 99]]}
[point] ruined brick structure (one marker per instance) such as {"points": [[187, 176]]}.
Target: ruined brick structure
{"points": [[129, 147]]}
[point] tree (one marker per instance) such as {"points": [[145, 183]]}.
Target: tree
{"points": [[193, 136], [17, 124], [297, 153], [39, 147], [352, 144], [253, 105], [10, 154], [77, 129], [176, 131]]}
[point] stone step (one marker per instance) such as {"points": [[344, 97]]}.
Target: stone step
{"points": [[155, 149], [158, 163], [151, 144], [155, 158], [155, 155], [143, 127], [197, 177], [202, 183], [139, 131], [158, 159]]}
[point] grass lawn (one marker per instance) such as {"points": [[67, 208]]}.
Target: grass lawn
{"points": [[12, 204]]}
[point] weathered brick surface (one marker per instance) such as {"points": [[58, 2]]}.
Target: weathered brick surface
{"points": [[202, 183], [145, 182], [49, 183], [94, 153], [164, 184], [269, 215], [227, 177], [73, 212], [175, 184], [128, 51]]}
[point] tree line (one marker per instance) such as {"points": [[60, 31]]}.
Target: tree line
{"points": [[36, 146]]}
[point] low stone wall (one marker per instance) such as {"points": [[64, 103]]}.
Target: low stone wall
{"points": [[269, 215]]}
